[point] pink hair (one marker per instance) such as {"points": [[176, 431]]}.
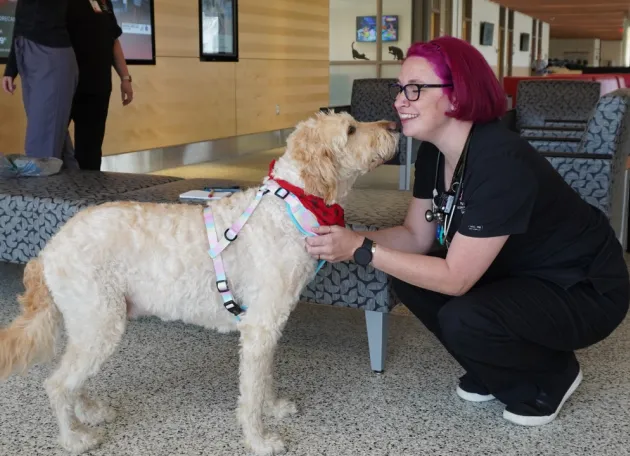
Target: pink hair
{"points": [[476, 93]]}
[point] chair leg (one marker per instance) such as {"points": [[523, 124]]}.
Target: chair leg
{"points": [[377, 338]]}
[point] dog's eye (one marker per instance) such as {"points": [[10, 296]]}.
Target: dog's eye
{"points": [[351, 129]]}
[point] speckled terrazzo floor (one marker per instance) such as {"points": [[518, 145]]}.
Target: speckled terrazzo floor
{"points": [[175, 387]]}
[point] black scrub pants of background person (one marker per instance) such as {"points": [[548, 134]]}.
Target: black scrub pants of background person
{"points": [[49, 78], [89, 114], [516, 337]]}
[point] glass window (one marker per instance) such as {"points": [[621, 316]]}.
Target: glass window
{"points": [[396, 29], [341, 79], [364, 46], [352, 30]]}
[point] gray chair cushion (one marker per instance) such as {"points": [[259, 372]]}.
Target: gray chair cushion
{"points": [[33, 209], [554, 102]]}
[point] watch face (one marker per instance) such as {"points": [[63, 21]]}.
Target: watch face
{"points": [[363, 256]]}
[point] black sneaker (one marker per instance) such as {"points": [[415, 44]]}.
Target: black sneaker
{"points": [[469, 390], [545, 407]]}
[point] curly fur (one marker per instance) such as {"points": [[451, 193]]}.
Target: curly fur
{"points": [[121, 260]]}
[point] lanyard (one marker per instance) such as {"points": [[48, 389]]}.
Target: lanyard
{"points": [[445, 208]]}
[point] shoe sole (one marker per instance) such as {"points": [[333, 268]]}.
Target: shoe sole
{"points": [[474, 397], [541, 420]]}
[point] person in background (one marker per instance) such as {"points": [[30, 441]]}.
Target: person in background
{"points": [[42, 55], [94, 33]]}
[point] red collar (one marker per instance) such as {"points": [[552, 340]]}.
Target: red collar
{"points": [[326, 215]]}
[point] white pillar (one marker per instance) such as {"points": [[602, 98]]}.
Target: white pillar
{"points": [[625, 43]]}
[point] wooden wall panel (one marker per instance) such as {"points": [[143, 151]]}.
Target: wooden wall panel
{"points": [[12, 121], [284, 29], [283, 49], [298, 87], [178, 101], [177, 28]]}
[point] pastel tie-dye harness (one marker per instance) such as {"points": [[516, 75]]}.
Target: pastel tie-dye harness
{"points": [[301, 217]]}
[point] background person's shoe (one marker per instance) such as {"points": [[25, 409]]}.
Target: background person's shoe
{"points": [[469, 390], [546, 406]]}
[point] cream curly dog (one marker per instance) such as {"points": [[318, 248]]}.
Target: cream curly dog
{"points": [[152, 259]]}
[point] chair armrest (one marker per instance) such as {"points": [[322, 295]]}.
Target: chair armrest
{"points": [[578, 155], [337, 109], [551, 128]]}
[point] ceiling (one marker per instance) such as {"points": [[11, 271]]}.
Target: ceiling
{"points": [[576, 18]]}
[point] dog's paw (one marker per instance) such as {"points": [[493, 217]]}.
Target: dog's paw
{"points": [[281, 408], [268, 445], [80, 439], [94, 412]]}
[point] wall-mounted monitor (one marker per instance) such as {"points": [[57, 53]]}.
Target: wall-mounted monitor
{"points": [[524, 44], [218, 30], [7, 19], [366, 29], [136, 19], [487, 34]]}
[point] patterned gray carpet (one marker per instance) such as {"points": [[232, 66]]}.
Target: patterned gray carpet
{"points": [[175, 387]]}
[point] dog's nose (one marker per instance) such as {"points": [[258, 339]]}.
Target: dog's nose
{"points": [[392, 126]]}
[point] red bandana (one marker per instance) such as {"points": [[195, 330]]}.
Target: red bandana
{"points": [[326, 215]]}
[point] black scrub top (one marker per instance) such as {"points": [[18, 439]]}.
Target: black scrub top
{"points": [[93, 31], [40, 21], [510, 189]]}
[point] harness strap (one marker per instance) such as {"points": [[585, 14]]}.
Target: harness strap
{"points": [[219, 268], [300, 216], [232, 232]]}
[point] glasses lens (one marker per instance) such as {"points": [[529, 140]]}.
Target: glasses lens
{"points": [[412, 92]]}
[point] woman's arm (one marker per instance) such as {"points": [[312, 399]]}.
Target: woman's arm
{"points": [[126, 89], [120, 64], [467, 260]]}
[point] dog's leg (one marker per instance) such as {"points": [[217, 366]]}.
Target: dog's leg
{"points": [[92, 339], [274, 406], [258, 344], [93, 411]]}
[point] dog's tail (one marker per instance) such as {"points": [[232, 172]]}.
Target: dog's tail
{"points": [[31, 336]]}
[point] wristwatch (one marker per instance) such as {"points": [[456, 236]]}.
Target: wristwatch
{"points": [[126, 78], [364, 254]]}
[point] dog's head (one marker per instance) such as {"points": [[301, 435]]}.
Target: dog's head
{"points": [[326, 153]]}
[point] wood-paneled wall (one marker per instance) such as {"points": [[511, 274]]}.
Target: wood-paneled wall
{"points": [[281, 78]]}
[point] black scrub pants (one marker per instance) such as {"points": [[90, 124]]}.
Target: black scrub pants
{"points": [[517, 336], [89, 114]]}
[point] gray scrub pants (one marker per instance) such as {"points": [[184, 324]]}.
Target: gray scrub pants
{"points": [[49, 78]]}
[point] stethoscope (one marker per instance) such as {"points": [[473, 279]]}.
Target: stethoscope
{"points": [[443, 210]]}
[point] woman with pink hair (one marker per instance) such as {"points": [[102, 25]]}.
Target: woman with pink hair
{"points": [[498, 256]]}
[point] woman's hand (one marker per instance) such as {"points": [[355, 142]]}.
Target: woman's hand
{"points": [[334, 243], [126, 92], [8, 84]]}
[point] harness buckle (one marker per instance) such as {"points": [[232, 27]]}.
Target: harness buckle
{"points": [[230, 231], [233, 308], [222, 286], [281, 192]]}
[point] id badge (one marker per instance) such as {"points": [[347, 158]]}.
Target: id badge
{"points": [[95, 6]]}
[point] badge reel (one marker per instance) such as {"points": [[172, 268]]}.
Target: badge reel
{"points": [[440, 212]]}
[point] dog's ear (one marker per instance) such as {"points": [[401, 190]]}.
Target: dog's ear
{"points": [[318, 166]]}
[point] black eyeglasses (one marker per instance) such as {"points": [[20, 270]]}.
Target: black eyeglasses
{"points": [[412, 91]]}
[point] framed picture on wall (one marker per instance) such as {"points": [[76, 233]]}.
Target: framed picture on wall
{"points": [[524, 44], [137, 21], [218, 30], [7, 19]]}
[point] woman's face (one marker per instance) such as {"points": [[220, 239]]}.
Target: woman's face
{"points": [[421, 119]]}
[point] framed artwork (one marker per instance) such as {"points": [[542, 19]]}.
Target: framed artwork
{"points": [[218, 30]]}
